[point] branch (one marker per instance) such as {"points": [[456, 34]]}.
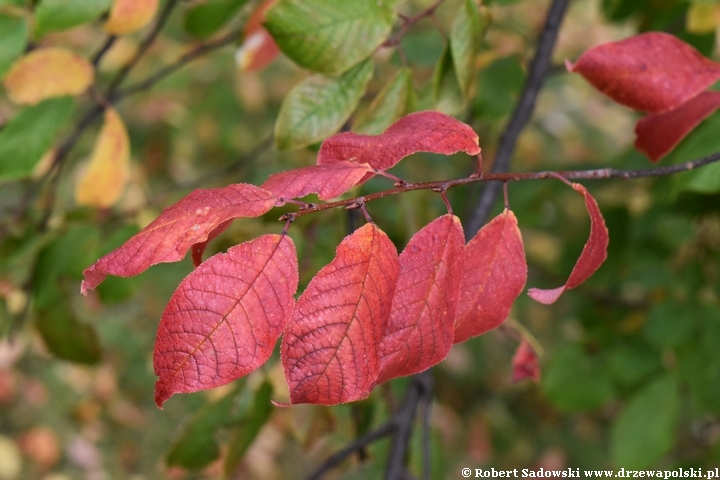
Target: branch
{"points": [[356, 445], [596, 174], [143, 47], [522, 113]]}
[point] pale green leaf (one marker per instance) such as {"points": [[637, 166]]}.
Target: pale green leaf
{"points": [[389, 105], [446, 90], [465, 38], [248, 429], [645, 429], [330, 36], [319, 106], [30, 134], [12, 40], [55, 15]]}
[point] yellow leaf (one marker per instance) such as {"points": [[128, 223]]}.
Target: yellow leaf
{"points": [[48, 72], [702, 18], [127, 16], [107, 174]]}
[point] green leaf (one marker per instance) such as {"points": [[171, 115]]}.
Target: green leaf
{"points": [[670, 324], [318, 106], [206, 19], [465, 37], [65, 336], [702, 141], [30, 134], [700, 364], [645, 429], [329, 36], [247, 431], [12, 40], [446, 90], [389, 105], [55, 15], [575, 381], [64, 258], [196, 446], [498, 87]]}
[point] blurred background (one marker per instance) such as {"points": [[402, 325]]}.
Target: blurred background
{"points": [[630, 364]]}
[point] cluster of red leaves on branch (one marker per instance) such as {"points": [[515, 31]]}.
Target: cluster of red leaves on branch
{"points": [[658, 74], [372, 315]]}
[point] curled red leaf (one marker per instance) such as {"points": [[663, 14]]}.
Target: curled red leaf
{"points": [[593, 255], [418, 132], [329, 349], [658, 134], [525, 363], [653, 72], [494, 274], [180, 226], [224, 319], [328, 181], [258, 48], [419, 333]]}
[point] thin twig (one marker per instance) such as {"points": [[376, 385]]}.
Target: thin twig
{"points": [[597, 174], [522, 113], [408, 22], [95, 59], [143, 47], [358, 444], [404, 419]]}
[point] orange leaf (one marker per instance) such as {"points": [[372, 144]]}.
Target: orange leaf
{"points": [[48, 72], [107, 174], [127, 16]]}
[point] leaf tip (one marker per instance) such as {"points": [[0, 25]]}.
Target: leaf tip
{"points": [[569, 66], [546, 296]]}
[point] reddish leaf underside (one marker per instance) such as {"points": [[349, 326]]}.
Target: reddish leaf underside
{"points": [[180, 226], [328, 181], [593, 255], [258, 48], [525, 363], [494, 274], [653, 72], [329, 349], [428, 131], [658, 134], [419, 333], [224, 319]]}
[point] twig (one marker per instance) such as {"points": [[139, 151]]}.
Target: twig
{"points": [[95, 59], [358, 444], [597, 174], [408, 22], [522, 113], [404, 419], [143, 47], [198, 51]]}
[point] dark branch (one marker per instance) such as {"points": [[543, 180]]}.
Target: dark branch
{"points": [[597, 174], [522, 113], [97, 56], [356, 445]]}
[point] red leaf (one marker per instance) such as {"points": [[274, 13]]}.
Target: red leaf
{"points": [[658, 134], [168, 238], [328, 181], [654, 72], [198, 249], [329, 348], [525, 363], [419, 333], [258, 48], [494, 274], [418, 132], [593, 255], [223, 320]]}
